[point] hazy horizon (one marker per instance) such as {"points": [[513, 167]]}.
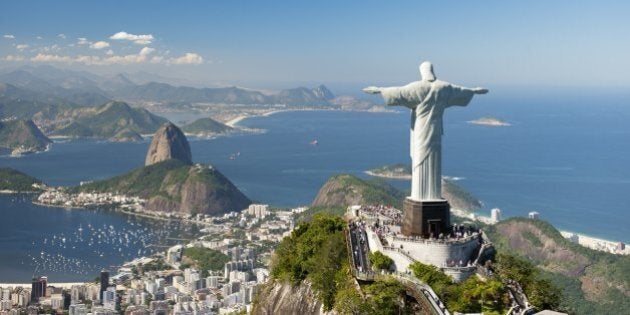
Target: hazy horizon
{"points": [[268, 45]]}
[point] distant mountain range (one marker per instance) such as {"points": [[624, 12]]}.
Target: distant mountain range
{"points": [[88, 89], [116, 121], [81, 104]]}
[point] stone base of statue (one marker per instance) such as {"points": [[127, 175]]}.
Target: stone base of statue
{"points": [[425, 218]]}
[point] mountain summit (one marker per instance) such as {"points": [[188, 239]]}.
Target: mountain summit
{"points": [[168, 142]]}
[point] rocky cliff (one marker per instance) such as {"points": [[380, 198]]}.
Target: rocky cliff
{"points": [[197, 189], [169, 142], [175, 186], [279, 297], [170, 183], [22, 136]]}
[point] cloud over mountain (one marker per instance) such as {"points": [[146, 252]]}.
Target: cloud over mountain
{"points": [[187, 59], [99, 45], [138, 39]]}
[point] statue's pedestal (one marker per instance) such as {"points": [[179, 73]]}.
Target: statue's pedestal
{"points": [[425, 218]]}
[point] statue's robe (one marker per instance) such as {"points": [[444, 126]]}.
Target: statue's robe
{"points": [[427, 101]]}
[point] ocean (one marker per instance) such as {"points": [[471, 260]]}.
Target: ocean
{"points": [[565, 155]]}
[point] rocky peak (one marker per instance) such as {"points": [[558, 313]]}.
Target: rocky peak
{"points": [[322, 92], [169, 142]]}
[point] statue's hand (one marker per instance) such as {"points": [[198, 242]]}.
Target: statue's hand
{"points": [[480, 90], [372, 90]]}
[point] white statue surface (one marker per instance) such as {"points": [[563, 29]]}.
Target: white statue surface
{"points": [[427, 99]]}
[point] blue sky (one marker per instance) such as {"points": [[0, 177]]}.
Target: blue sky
{"points": [[283, 43]]}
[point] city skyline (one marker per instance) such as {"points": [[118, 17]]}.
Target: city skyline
{"points": [[270, 45]]}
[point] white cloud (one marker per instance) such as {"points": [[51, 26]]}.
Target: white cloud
{"points": [[107, 57], [138, 39], [51, 58], [14, 58], [187, 59], [62, 36], [157, 59], [145, 51], [54, 47], [99, 45], [9, 36], [39, 37], [140, 57], [88, 60]]}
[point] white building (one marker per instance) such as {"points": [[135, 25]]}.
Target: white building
{"points": [[258, 210], [56, 301], [495, 215], [174, 254], [109, 298], [77, 309], [534, 215], [212, 282]]}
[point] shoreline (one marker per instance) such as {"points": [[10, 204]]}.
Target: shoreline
{"points": [[594, 243], [581, 239], [65, 285], [117, 208], [388, 176], [16, 192], [234, 121]]}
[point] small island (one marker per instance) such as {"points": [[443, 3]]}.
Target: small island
{"points": [[489, 121], [207, 127], [395, 171]]}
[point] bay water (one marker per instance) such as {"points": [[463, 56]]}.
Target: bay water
{"points": [[565, 155]]}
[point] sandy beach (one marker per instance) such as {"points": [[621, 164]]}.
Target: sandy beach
{"points": [[234, 122], [595, 243]]}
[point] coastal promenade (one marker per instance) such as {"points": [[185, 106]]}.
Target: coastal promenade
{"points": [[613, 247], [597, 243], [64, 285]]}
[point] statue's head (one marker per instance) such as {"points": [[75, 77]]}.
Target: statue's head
{"points": [[426, 71]]}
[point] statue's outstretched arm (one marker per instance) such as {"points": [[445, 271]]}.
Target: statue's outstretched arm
{"points": [[461, 96], [479, 90], [372, 90]]}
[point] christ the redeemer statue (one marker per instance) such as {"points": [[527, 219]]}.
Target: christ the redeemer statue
{"points": [[427, 99]]}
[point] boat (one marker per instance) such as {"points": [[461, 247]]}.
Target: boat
{"points": [[314, 142]]}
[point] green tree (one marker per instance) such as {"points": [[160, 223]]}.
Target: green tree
{"points": [[316, 250], [540, 292], [543, 294], [432, 276], [385, 296], [380, 260]]}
